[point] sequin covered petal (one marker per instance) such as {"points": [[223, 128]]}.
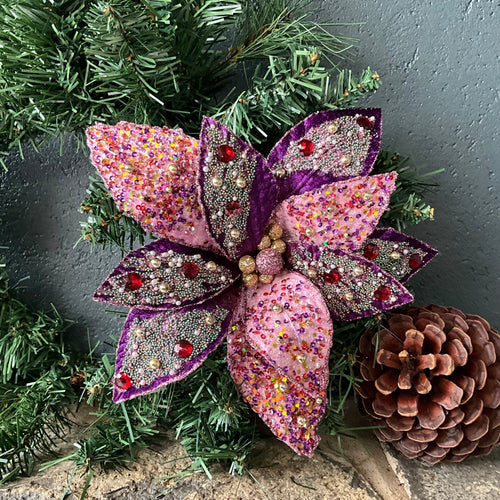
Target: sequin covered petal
{"points": [[326, 147], [400, 255], [238, 191], [340, 215], [278, 356], [158, 347], [352, 286], [152, 174], [166, 275]]}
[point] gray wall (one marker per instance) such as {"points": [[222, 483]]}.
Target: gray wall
{"points": [[439, 64]]}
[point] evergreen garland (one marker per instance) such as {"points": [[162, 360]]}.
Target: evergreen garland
{"points": [[258, 66]]}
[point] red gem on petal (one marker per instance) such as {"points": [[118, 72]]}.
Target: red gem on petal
{"points": [[190, 270], [331, 277], [306, 147], [225, 153], [133, 281], [371, 251], [382, 293], [183, 348], [233, 208], [365, 122], [123, 381], [415, 261]]}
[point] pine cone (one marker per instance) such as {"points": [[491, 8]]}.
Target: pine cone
{"points": [[434, 387]]}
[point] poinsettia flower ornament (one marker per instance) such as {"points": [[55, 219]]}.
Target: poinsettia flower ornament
{"points": [[263, 252]]}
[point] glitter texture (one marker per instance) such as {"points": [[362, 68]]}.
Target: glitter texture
{"points": [[152, 173], [339, 215], [221, 195], [278, 356]]}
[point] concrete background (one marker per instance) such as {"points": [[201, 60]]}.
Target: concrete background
{"points": [[439, 63]]}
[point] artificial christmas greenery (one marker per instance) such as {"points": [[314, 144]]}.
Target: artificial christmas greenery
{"points": [[257, 66]]}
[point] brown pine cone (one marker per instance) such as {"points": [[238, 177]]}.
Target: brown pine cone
{"points": [[432, 382]]}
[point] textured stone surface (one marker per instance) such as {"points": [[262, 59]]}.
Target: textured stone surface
{"points": [[440, 71], [476, 478]]}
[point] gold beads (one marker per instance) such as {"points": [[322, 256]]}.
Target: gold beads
{"points": [[367, 196], [155, 263], [312, 273], [395, 255], [279, 245], [154, 364], [280, 172], [210, 319], [357, 271], [275, 231], [216, 181], [250, 280], [247, 264], [266, 278], [301, 358], [241, 182], [234, 233], [172, 168], [349, 296], [301, 421], [265, 242], [164, 287], [310, 232], [211, 266], [277, 308], [345, 160], [333, 127]]}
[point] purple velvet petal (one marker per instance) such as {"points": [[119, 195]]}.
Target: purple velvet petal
{"points": [[345, 144], [154, 349], [399, 254], [238, 191], [352, 286], [166, 275]]}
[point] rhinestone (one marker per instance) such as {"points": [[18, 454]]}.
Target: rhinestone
{"points": [[183, 348], [382, 293], [123, 381], [190, 270], [306, 147], [331, 277], [365, 122], [415, 261], [225, 153], [133, 281], [370, 251]]}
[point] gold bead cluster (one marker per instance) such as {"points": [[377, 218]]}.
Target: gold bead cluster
{"points": [[247, 265]]}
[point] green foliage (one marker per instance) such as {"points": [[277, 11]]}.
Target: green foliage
{"points": [[34, 383]]}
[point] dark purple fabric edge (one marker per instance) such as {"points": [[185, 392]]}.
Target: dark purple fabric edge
{"points": [[163, 245], [262, 195], [228, 301], [390, 234]]}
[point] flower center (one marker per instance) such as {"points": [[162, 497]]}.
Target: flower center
{"points": [[269, 260]]}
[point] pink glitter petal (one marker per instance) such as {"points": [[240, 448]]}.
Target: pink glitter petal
{"points": [[152, 174], [278, 355], [339, 215]]}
